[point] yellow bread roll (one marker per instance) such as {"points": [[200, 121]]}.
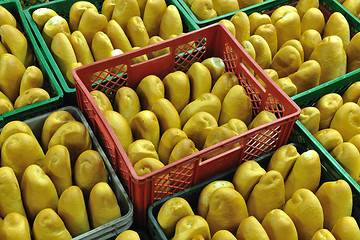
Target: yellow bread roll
{"points": [[198, 127], [89, 169], [257, 19], [314, 19], [136, 32], [352, 94], [117, 36], [72, 210], [205, 195], [225, 6], [103, 205], [13, 127], [346, 228], [331, 56], [182, 149], [247, 3], [120, 127], [223, 235], [124, 10], [216, 66], [69, 76], [81, 48], [200, 80], [90, 23], [107, 8], [146, 125], [336, 200], [236, 104], [166, 114], [356, 141], [268, 32], [30, 96], [249, 48], [15, 227], [345, 120], [218, 135], [278, 225], [309, 39], [304, 5], [101, 46], [287, 27], [242, 26], [58, 167], [48, 225], [53, 26], [271, 73], [203, 9], [352, 6], [168, 141], [287, 86], [52, 123], [296, 44], [147, 165], [323, 234], [281, 12], [352, 54], [63, 52], [10, 193], [338, 25], [68, 135], [154, 54], [250, 229], [305, 210], [247, 175], [305, 173], [229, 25], [6, 17], [262, 118], [127, 103], [128, 235], [236, 125], [101, 100], [267, 194], [329, 138], [19, 151], [171, 212], [32, 78], [172, 83], [76, 11], [283, 160], [221, 214], [222, 86], [192, 227], [206, 102], [286, 61], [171, 22], [153, 12], [11, 72], [328, 106], [140, 149], [349, 158], [150, 89], [310, 118], [5, 106], [307, 76], [262, 51], [38, 191]]}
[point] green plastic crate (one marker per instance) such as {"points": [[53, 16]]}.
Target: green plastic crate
{"points": [[192, 194], [62, 7], [51, 85], [27, 3], [266, 6], [300, 133]]}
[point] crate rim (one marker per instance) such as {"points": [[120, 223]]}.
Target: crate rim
{"points": [[98, 65]]}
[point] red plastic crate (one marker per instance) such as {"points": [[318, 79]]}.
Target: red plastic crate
{"points": [[213, 41]]}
